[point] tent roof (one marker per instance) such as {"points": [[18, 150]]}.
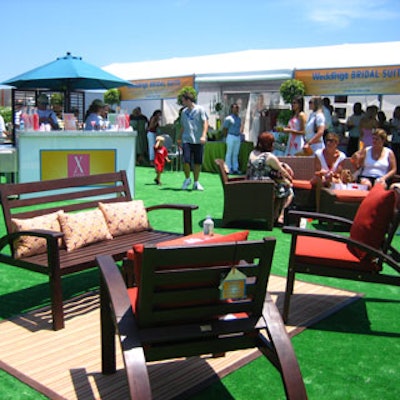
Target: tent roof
{"points": [[261, 64]]}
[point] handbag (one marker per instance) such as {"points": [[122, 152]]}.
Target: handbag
{"points": [[305, 152]]}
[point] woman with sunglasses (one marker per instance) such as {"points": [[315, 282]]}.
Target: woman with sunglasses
{"points": [[328, 161]]}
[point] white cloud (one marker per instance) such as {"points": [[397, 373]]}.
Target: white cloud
{"points": [[341, 13]]}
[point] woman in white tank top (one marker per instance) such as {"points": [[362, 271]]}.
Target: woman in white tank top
{"points": [[378, 162]]}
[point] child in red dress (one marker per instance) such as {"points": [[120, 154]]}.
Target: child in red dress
{"points": [[160, 156]]}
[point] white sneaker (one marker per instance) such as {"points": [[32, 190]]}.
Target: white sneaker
{"points": [[186, 183], [197, 186]]}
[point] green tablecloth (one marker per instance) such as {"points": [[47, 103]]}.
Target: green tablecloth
{"points": [[214, 150]]}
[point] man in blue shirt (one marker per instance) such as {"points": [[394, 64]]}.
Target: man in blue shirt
{"points": [[194, 127], [232, 129]]}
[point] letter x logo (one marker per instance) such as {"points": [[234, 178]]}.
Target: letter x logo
{"points": [[78, 165]]}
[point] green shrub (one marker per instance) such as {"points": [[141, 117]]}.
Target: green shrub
{"points": [[291, 88], [186, 89], [5, 112]]}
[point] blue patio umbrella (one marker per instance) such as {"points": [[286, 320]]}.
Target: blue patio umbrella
{"points": [[67, 73]]}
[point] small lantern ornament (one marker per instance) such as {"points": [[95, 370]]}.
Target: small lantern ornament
{"points": [[233, 286]]}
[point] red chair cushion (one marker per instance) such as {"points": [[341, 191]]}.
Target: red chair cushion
{"points": [[372, 219], [133, 297], [329, 253], [194, 239], [350, 196], [301, 184]]}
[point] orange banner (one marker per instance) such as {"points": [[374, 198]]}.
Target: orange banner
{"points": [[165, 88], [351, 81]]}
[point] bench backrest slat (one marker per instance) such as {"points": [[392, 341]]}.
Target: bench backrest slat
{"points": [[72, 194]]}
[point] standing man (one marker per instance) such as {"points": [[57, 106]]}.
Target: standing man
{"points": [[231, 129], [194, 127]]}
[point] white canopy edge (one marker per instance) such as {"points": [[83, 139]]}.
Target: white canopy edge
{"points": [[261, 64]]}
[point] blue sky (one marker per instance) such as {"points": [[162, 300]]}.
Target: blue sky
{"points": [[103, 32]]}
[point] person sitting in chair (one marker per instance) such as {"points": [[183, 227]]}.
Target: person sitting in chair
{"points": [[263, 164], [377, 162]]}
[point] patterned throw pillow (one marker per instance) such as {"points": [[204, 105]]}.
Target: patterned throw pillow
{"points": [[83, 228], [125, 217], [30, 245]]}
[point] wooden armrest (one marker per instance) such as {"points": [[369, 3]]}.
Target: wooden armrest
{"points": [[113, 292], [50, 236], [320, 216], [187, 213], [291, 373], [250, 182]]}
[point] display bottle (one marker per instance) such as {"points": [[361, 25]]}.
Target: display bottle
{"points": [[35, 120], [208, 226]]}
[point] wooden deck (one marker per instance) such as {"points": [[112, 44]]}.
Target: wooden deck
{"points": [[65, 364]]}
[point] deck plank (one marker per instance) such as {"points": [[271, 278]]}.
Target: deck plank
{"points": [[66, 364]]}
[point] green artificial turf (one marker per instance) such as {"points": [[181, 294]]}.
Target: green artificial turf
{"points": [[351, 355]]}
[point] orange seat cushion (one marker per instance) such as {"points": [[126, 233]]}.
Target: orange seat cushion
{"points": [[350, 196], [301, 184], [136, 254], [195, 239], [330, 253], [133, 297], [372, 219]]}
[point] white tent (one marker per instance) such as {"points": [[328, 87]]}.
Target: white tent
{"points": [[270, 64], [254, 71]]}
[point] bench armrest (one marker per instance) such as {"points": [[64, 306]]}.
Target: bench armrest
{"points": [[50, 236], [187, 210]]}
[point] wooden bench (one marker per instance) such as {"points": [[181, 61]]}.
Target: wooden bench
{"points": [[186, 305], [73, 194]]}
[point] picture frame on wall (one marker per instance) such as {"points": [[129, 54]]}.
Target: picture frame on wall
{"points": [[340, 112], [341, 99]]}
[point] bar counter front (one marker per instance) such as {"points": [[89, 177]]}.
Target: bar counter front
{"points": [[61, 154]]}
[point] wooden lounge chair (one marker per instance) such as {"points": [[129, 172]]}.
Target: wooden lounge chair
{"points": [[246, 200], [176, 311], [366, 255]]}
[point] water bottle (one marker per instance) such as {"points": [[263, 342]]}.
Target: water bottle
{"points": [[21, 124], [208, 226]]}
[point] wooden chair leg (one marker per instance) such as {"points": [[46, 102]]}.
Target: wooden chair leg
{"points": [[57, 308], [288, 293], [108, 356], [128, 272]]}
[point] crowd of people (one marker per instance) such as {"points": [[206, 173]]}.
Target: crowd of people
{"points": [[309, 136], [374, 159], [316, 132]]}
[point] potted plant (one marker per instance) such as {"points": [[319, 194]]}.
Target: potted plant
{"points": [[186, 89], [288, 90], [291, 88], [112, 97]]}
